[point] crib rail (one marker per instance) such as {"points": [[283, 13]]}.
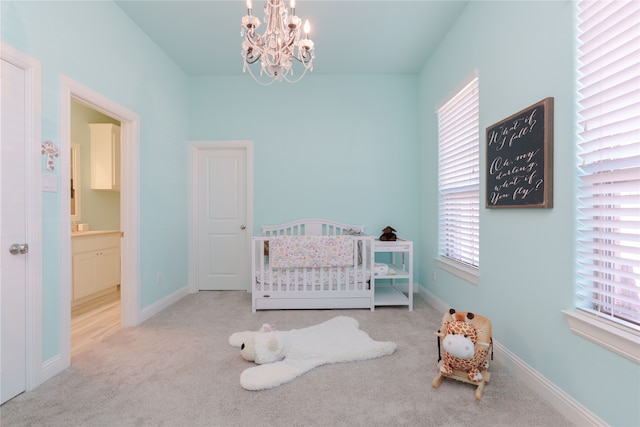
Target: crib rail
{"points": [[313, 226]]}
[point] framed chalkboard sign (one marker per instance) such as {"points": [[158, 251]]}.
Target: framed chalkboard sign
{"points": [[520, 159]]}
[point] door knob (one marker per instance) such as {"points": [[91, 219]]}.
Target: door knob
{"points": [[242, 227], [19, 248]]}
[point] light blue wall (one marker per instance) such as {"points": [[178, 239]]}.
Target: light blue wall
{"points": [[98, 46], [359, 149], [339, 147], [524, 52]]}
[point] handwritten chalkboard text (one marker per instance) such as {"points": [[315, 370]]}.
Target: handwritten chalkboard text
{"points": [[517, 159]]}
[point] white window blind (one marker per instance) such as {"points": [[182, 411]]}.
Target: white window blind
{"points": [[459, 176], [609, 154]]}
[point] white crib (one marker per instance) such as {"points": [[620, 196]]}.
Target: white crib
{"points": [[312, 264]]}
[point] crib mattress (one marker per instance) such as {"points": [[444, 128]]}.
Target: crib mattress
{"points": [[313, 279]]}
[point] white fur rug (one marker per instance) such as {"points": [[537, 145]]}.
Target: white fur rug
{"points": [[300, 350]]}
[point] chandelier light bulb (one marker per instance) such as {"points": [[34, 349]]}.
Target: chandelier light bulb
{"points": [[307, 27]]}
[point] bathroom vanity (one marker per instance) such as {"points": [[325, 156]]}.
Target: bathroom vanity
{"points": [[95, 264]]}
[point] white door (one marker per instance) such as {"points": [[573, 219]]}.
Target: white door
{"points": [[223, 256], [13, 249]]}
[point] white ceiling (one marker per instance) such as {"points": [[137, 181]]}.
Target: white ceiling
{"points": [[351, 36]]}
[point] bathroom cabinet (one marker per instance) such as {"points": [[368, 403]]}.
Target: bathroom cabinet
{"points": [[105, 156], [95, 263]]}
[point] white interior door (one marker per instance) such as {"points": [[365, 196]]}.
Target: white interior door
{"points": [[13, 223], [223, 256]]}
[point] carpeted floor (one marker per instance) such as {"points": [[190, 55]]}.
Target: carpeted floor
{"points": [[177, 369]]}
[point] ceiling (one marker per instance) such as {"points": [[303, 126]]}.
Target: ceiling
{"points": [[350, 36]]}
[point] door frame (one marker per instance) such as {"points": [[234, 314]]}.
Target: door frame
{"points": [[129, 205], [33, 118], [195, 147]]}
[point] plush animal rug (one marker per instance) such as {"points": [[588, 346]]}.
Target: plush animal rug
{"points": [[285, 355]]}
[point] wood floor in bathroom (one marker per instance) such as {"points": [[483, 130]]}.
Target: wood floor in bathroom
{"points": [[93, 321]]}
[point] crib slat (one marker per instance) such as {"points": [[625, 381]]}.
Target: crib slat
{"points": [[261, 256]]}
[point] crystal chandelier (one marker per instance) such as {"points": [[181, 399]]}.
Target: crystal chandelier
{"points": [[280, 47]]}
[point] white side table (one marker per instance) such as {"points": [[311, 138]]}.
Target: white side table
{"points": [[393, 285]]}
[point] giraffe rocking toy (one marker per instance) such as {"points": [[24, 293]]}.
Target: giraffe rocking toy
{"points": [[466, 341]]}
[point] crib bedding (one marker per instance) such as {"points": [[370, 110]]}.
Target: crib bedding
{"points": [[310, 251], [299, 279]]}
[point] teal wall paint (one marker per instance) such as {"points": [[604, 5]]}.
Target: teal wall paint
{"points": [[524, 52], [95, 44], [359, 149], [339, 147]]}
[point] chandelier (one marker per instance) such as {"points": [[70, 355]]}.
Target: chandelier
{"points": [[280, 47]]}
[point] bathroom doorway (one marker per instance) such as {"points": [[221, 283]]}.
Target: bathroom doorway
{"points": [[95, 227], [129, 210]]}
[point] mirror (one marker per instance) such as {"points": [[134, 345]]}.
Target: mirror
{"points": [[74, 174]]}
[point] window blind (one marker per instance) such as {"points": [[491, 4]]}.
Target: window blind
{"points": [[459, 176], [609, 156]]}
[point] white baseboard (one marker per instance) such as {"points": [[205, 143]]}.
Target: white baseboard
{"points": [[53, 366], [547, 390], [155, 308], [49, 369]]}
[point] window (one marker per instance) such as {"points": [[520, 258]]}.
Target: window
{"points": [[459, 181], [608, 270]]}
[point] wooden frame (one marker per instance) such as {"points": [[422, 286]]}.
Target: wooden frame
{"points": [[519, 165]]}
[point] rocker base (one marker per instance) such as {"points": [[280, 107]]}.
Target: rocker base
{"points": [[462, 376]]}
